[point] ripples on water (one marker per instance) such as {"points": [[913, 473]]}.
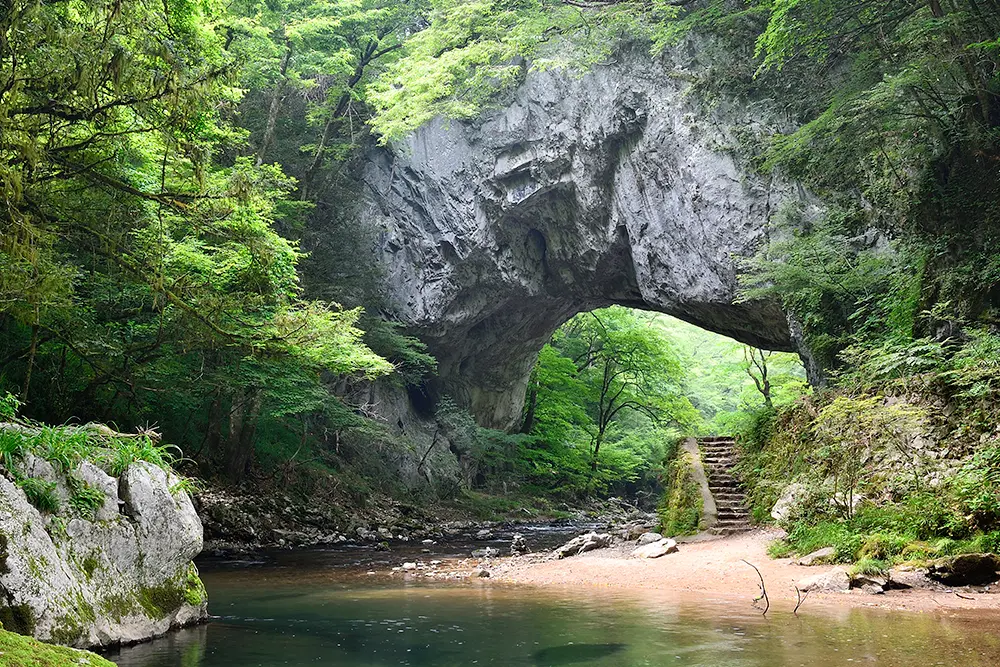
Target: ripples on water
{"points": [[299, 611]]}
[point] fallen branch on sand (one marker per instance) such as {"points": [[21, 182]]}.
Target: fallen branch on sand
{"points": [[763, 590]]}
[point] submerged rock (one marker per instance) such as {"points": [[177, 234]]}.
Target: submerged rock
{"points": [[661, 547], [105, 577], [583, 543]]}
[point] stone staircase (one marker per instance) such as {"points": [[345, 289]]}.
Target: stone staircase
{"points": [[718, 456]]}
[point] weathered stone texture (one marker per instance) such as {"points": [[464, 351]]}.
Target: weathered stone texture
{"points": [[617, 187]]}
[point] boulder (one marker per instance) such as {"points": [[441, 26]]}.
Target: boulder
{"points": [[583, 543], [108, 578], [790, 498], [833, 581], [649, 538], [818, 557], [518, 545], [661, 547], [965, 569], [912, 577], [633, 530]]}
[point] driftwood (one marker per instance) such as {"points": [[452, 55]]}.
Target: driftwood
{"points": [[763, 591], [800, 598]]}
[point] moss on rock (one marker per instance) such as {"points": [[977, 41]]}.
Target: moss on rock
{"points": [[19, 651]]}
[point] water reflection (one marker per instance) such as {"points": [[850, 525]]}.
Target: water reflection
{"points": [[299, 615], [575, 653]]}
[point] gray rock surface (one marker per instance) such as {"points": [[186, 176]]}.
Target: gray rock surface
{"points": [[833, 581], [104, 579], [617, 187], [583, 543], [656, 549], [649, 538], [790, 499], [818, 557]]}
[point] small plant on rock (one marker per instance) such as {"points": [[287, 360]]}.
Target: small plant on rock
{"points": [[84, 499], [41, 494]]}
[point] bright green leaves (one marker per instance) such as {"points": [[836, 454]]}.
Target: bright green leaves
{"points": [[472, 52], [139, 253], [604, 397]]}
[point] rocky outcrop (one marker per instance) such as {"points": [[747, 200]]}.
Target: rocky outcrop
{"points": [[617, 187], [114, 568], [584, 543]]}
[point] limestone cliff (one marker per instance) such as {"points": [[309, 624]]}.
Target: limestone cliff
{"points": [[617, 187], [120, 572]]}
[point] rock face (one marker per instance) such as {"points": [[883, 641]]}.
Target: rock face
{"points": [[119, 575], [616, 187]]}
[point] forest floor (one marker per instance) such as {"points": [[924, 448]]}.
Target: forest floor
{"points": [[716, 569]]}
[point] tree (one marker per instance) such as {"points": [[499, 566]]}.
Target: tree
{"points": [[133, 257], [610, 362], [756, 367]]}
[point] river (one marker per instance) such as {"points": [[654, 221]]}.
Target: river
{"points": [[309, 608]]}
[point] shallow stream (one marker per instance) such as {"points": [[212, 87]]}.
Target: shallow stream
{"points": [[321, 608]]}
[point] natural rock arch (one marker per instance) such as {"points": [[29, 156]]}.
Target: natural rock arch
{"points": [[617, 187]]}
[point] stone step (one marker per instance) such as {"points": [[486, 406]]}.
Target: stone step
{"points": [[730, 506]]}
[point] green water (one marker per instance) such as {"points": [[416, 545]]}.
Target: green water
{"points": [[299, 614]]}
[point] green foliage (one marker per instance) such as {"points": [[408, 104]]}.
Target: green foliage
{"points": [[681, 508], [8, 406], [408, 354], [471, 53], [142, 272], [84, 499], [40, 493], [604, 397], [28, 652]]}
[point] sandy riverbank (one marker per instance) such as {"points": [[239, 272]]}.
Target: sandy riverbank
{"points": [[715, 568]]}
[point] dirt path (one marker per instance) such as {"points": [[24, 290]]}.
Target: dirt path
{"points": [[716, 569]]}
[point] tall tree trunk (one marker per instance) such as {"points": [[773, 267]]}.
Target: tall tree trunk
{"points": [[242, 432], [31, 359], [275, 108]]}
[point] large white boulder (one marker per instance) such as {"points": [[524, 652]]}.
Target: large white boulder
{"points": [[656, 549], [108, 578]]}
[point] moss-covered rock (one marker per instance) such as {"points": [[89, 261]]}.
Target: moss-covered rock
{"points": [[19, 651], [103, 576]]}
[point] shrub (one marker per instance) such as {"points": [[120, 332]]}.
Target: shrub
{"points": [[41, 494], [8, 406], [871, 567]]}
